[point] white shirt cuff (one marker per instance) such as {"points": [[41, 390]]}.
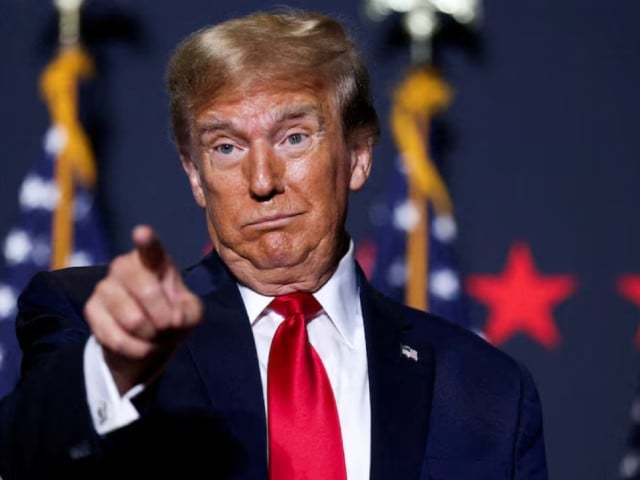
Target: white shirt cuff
{"points": [[109, 410]]}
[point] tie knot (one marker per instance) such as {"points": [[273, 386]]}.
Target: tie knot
{"points": [[303, 303]]}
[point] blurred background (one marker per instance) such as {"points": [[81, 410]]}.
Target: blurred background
{"points": [[537, 143]]}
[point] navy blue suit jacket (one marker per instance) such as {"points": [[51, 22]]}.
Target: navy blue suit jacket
{"points": [[462, 410]]}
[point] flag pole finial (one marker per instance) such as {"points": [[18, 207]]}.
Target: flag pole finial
{"points": [[422, 18], [69, 21]]}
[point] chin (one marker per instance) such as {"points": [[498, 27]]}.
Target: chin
{"points": [[277, 249], [273, 259]]}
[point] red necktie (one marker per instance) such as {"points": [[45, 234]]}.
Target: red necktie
{"points": [[304, 431]]}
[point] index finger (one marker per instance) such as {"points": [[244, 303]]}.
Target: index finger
{"points": [[151, 251]]}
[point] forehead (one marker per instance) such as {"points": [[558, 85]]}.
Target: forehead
{"points": [[273, 99]]}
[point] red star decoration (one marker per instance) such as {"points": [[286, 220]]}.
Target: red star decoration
{"points": [[520, 299], [629, 287]]}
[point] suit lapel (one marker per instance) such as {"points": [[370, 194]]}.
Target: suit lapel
{"points": [[224, 353], [401, 376]]}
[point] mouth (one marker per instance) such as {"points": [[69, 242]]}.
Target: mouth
{"points": [[272, 221]]}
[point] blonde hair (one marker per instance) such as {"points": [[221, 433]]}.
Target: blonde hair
{"points": [[304, 46]]}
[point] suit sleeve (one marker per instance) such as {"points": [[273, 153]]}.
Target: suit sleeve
{"points": [[46, 416], [530, 456]]}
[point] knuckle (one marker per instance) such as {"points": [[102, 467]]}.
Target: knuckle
{"points": [[90, 308], [118, 265], [94, 314], [143, 351], [150, 291], [116, 342], [101, 289], [138, 353], [109, 338], [98, 331], [175, 317], [194, 310], [131, 319], [104, 293]]}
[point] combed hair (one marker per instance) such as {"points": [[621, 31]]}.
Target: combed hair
{"points": [[286, 45]]}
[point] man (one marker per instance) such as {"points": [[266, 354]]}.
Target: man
{"points": [[134, 370]]}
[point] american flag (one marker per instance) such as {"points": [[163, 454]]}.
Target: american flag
{"points": [[33, 242], [415, 259], [391, 273]]}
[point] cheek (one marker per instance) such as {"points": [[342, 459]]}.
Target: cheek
{"points": [[327, 169], [223, 202], [221, 185], [327, 190]]}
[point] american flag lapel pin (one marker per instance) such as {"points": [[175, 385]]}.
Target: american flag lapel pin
{"points": [[409, 352]]}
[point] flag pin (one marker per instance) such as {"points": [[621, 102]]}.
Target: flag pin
{"points": [[409, 352]]}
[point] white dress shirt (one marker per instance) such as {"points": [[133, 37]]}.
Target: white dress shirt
{"points": [[337, 335]]}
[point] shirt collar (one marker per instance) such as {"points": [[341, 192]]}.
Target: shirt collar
{"points": [[339, 298]]}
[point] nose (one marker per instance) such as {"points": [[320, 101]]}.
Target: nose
{"points": [[264, 172]]}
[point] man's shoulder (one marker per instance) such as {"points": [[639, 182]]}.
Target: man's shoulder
{"points": [[76, 283], [53, 302]]}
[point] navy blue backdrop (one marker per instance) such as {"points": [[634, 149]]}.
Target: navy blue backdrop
{"points": [[541, 149]]}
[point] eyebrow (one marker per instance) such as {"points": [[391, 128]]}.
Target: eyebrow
{"points": [[293, 112], [286, 113]]}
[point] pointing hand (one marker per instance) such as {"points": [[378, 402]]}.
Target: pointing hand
{"points": [[141, 311]]}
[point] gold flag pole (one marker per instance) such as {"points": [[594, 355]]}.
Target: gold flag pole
{"points": [[74, 157], [421, 95]]}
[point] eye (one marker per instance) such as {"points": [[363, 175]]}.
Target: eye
{"points": [[225, 148], [296, 138]]}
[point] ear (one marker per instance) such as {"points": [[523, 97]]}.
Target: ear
{"points": [[193, 173], [361, 152]]}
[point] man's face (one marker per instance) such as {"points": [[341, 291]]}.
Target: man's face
{"points": [[273, 171]]}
